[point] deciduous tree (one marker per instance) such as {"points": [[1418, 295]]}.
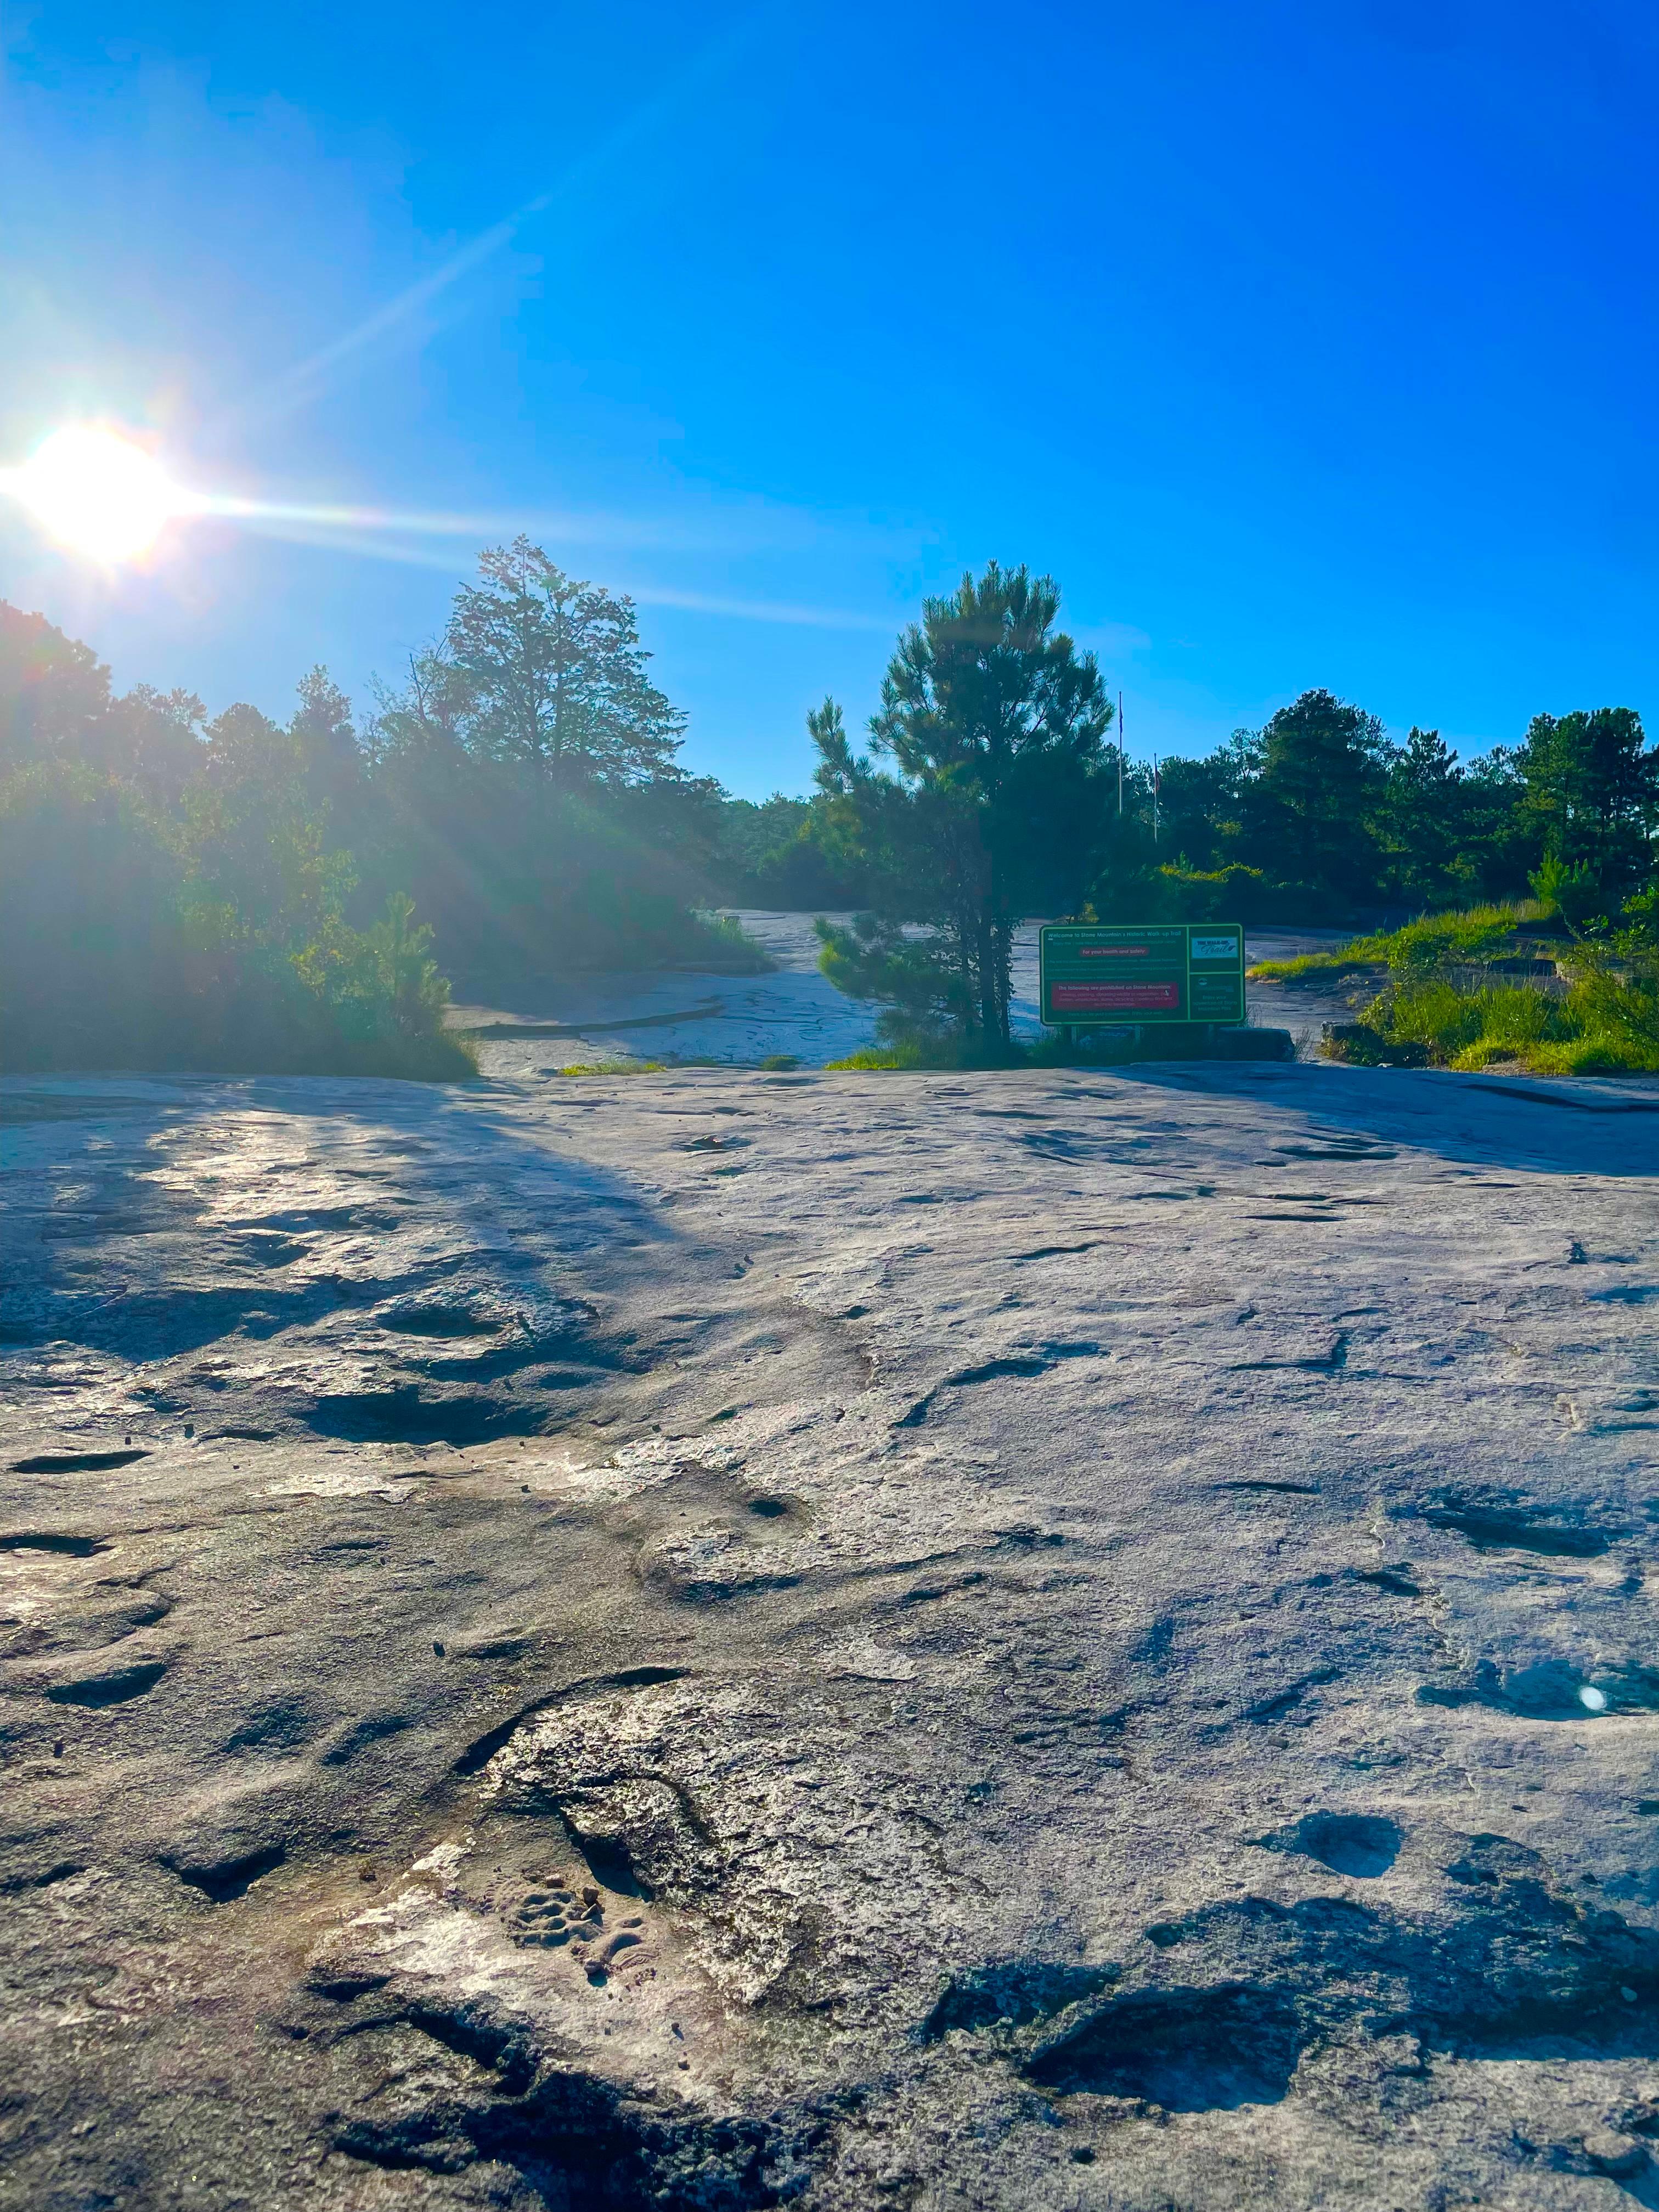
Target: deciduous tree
{"points": [[552, 675]]}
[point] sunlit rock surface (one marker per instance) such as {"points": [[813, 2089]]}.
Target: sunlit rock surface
{"points": [[727, 1640]]}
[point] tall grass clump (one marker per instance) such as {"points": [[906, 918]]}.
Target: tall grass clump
{"points": [[1598, 1016], [1467, 1029], [721, 941], [1432, 941], [885, 1059], [609, 1067]]}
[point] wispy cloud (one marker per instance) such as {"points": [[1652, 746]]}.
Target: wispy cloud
{"points": [[316, 527], [768, 610], [297, 384], [300, 383], [755, 526]]}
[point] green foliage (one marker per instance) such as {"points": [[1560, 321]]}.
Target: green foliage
{"points": [[1591, 794], [918, 976], [1606, 1026], [385, 995], [752, 833], [1420, 819], [1418, 947], [139, 958], [719, 941], [1301, 819], [1568, 890], [779, 854], [235, 893], [549, 673], [1433, 940], [995, 725], [1615, 984], [54, 696], [885, 1059], [1322, 776], [1359, 1044], [610, 1067], [1306, 967], [1199, 809], [1469, 1028], [1338, 820], [1606, 1021], [1178, 892], [176, 890], [525, 779]]}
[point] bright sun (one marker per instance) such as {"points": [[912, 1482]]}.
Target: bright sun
{"points": [[96, 492]]}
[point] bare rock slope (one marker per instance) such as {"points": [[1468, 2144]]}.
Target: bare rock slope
{"points": [[724, 1640]]}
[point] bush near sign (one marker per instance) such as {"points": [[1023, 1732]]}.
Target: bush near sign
{"points": [[1096, 973]]}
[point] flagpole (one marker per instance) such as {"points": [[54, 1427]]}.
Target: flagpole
{"points": [[1119, 755]]}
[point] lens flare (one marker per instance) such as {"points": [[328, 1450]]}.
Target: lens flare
{"points": [[103, 495], [96, 493]]}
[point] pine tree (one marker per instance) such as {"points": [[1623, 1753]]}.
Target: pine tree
{"points": [[995, 725]]}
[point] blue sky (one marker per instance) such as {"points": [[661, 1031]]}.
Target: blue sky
{"points": [[1304, 344]]}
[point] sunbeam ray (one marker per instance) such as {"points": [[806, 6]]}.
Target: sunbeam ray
{"points": [[295, 385], [567, 527], [343, 531]]}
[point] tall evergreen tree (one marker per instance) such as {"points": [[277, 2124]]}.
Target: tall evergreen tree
{"points": [[1311, 805], [1421, 817], [1592, 792], [995, 725]]}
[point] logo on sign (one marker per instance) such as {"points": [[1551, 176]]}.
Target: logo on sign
{"points": [[1215, 948]]}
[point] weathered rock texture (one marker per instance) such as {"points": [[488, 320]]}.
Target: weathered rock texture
{"points": [[724, 1640]]}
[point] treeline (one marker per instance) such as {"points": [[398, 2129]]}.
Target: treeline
{"points": [[991, 789], [171, 894], [1318, 818], [241, 892], [1335, 822]]}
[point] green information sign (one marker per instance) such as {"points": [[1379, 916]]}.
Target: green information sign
{"points": [[1167, 971]]}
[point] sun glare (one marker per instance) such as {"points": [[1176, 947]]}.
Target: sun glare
{"points": [[96, 493]]}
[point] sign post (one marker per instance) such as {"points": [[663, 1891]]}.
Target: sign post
{"points": [[1099, 974]]}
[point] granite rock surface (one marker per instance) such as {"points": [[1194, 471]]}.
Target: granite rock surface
{"points": [[724, 1640]]}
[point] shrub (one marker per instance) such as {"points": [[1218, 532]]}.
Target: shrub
{"points": [[1232, 894], [1429, 1012], [721, 941], [927, 999], [124, 951]]}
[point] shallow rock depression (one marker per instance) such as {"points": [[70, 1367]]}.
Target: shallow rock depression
{"points": [[725, 1640]]}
